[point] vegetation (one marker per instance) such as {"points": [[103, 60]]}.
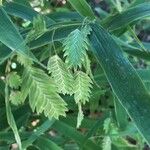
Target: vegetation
{"points": [[74, 75]]}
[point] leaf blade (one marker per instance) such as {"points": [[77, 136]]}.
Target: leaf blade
{"points": [[123, 79], [10, 36], [128, 16], [83, 8]]}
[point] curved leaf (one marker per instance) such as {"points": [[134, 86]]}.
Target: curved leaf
{"points": [[123, 79], [75, 135], [23, 12], [10, 36], [128, 16]]}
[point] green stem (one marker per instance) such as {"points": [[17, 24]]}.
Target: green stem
{"points": [[10, 117]]}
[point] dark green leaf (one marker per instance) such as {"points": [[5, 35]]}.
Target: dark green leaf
{"points": [[23, 12], [75, 135], [123, 79], [10, 36], [83, 8], [128, 16]]}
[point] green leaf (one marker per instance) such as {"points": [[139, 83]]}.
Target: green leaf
{"points": [[61, 75], [43, 94], [72, 133], [39, 27], [107, 124], [45, 144], [10, 36], [14, 80], [75, 46], [35, 135], [15, 97], [25, 61], [136, 51], [82, 87], [10, 118], [61, 16], [128, 16], [123, 79], [23, 12], [83, 8], [5, 53], [61, 32]]}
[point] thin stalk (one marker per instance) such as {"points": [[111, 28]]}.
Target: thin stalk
{"points": [[136, 38], [10, 117]]}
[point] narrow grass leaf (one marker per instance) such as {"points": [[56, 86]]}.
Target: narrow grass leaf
{"points": [[40, 130], [10, 118], [128, 16]]}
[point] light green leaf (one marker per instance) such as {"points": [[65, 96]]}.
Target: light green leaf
{"points": [[82, 87], [106, 143], [61, 75], [43, 96], [14, 80], [39, 27], [15, 97], [80, 115]]}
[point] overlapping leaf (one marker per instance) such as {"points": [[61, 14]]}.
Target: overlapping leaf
{"points": [[61, 75], [43, 96]]}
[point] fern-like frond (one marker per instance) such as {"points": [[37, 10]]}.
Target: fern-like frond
{"points": [[15, 97], [83, 85], [24, 60], [86, 30], [106, 145], [61, 75], [43, 96], [14, 80], [75, 46]]}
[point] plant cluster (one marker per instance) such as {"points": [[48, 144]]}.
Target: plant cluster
{"points": [[74, 76]]}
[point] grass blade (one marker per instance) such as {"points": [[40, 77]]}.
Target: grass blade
{"points": [[45, 126], [123, 79], [45, 144], [10, 118], [128, 16], [75, 135], [23, 12]]}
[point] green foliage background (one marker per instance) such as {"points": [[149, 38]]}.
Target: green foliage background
{"points": [[74, 75]]}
